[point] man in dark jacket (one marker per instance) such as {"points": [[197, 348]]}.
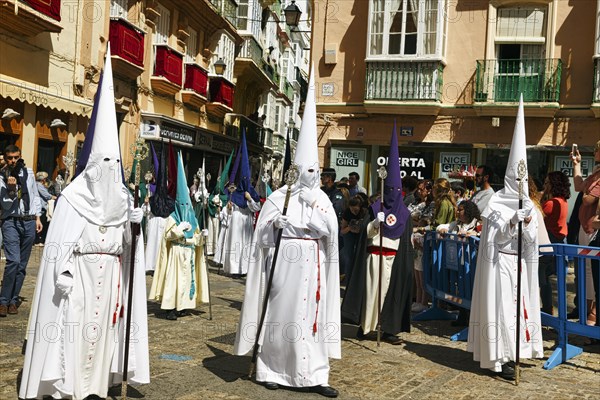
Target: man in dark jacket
{"points": [[335, 195]]}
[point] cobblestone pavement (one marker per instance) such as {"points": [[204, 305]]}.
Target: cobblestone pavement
{"points": [[191, 359]]}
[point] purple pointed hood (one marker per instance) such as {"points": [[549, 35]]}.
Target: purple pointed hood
{"points": [[396, 212], [242, 179]]}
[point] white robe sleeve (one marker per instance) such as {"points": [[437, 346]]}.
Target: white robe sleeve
{"points": [[253, 206]]}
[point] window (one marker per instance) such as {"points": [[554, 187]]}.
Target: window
{"points": [[118, 8], [520, 48], [242, 14], [161, 35], [407, 28], [191, 50], [226, 50]]}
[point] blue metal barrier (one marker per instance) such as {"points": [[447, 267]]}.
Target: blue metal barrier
{"points": [[565, 351], [449, 263], [448, 272]]}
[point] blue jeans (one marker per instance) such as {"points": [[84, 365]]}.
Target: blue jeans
{"points": [[18, 241]]}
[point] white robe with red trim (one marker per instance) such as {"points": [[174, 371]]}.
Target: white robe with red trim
{"points": [[492, 325], [292, 353]]}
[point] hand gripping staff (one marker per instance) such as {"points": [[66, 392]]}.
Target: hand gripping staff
{"points": [[382, 172], [521, 172], [139, 149], [291, 176]]}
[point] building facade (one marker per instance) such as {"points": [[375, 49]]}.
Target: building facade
{"points": [[195, 73], [449, 74]]}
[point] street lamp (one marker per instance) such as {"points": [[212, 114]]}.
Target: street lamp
{"points": [[292, 14], [219, 66]]}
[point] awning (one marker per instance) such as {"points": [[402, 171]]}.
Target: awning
{"points": [[55, 97]]}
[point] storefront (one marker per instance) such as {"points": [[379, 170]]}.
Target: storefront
{"points": [[197, 145], [435, 160]]}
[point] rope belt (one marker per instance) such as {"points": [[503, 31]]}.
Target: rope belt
{"points": [[375, 250], [318, 294], [193, 249], [507, 253], [119, 309]]}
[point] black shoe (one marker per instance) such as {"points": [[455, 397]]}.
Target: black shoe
{"points": [[171, 315], [508, 372], [326, 391], [360, 335], [391, 339], [574, 314], [271, 385]]}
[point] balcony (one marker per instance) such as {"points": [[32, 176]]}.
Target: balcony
{"points": [[287, 89], [168, 70], [404, 87], [195, 88], [33, 17], [227, 9], [498, 82], [126, 48], [303, 83], [236, 123], [271, 73], [250, 62], [220, 96], [596, 94]]}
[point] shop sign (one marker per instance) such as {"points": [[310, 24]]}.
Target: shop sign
{"points": [[348, 159], [222, 146], [149, 129], [420, 165], [453, 162], [177, 133], [204, 140], [565, 165]]}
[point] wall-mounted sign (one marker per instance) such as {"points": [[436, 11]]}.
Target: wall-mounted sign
{"points": [[222, 146], [327, 89], [149, 129], [565, 164], [419, 165], [348, 159], [453, 161], [406, 131], [177, 133]]}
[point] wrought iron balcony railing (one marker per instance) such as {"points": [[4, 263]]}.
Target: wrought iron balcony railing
{"points": [[404, 80], [196, 79], [221, 91], [169, 64], [235, 123], [252, 50], [227, 9], [504, 80], [50, 8], [126, 41]]}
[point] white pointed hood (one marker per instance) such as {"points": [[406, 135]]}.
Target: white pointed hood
{"points": [[98, 192], [307, 151], [507, 199]]}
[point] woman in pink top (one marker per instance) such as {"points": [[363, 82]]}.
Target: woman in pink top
{"points": [[591, 192], [557, 189]]}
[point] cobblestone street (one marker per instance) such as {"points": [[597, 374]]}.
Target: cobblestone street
{"points": [[191, 359]]}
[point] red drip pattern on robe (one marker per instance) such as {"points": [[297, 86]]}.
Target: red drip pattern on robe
{"points": [[117, 311], [526, 317]]}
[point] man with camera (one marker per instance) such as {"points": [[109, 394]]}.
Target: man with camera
{"points": [[21, 210]]}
